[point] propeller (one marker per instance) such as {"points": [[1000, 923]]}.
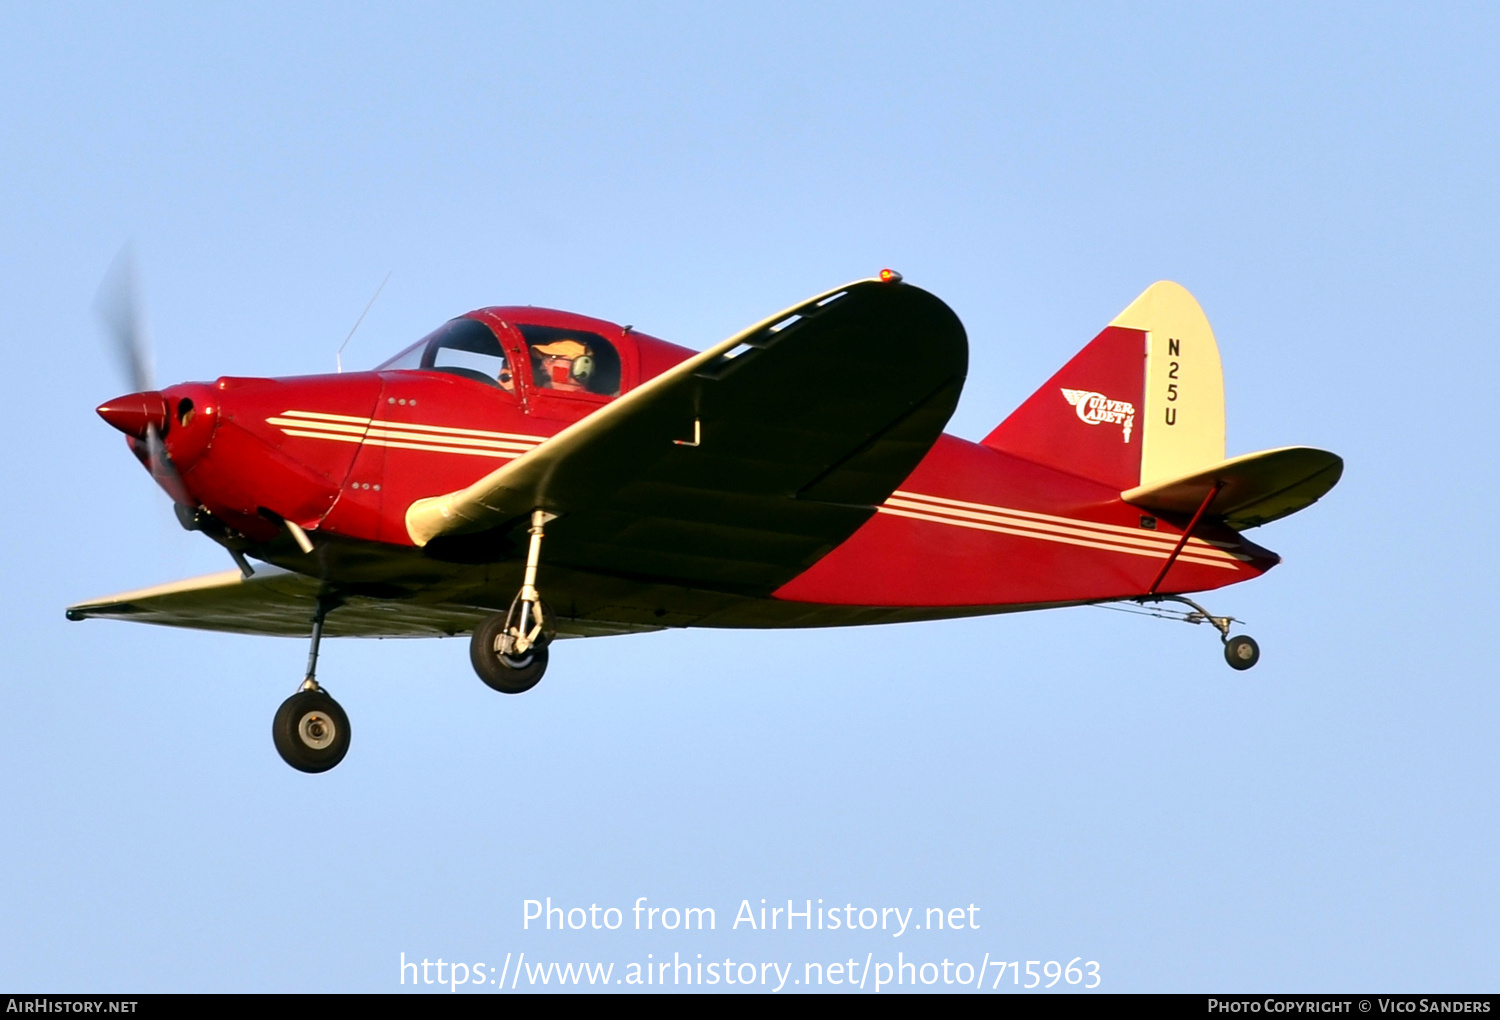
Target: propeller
{"points": [[142, 413], [118, 305]]}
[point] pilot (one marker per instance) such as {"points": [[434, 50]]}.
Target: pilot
{"points": [[565, 365]]}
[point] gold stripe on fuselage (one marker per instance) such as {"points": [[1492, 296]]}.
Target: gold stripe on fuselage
{"points": [[344, 428], [1049, 528]]}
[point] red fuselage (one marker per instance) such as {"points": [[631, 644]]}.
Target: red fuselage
{"points": [[973, 529]]}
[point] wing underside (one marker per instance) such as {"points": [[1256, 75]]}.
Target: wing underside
{"points": [[741, 467], [280, 603]]}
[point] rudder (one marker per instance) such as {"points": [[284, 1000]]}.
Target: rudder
{"points": [[1183, 424]]}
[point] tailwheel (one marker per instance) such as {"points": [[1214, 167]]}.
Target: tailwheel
{"points": [[311, 731], [1241, 651], [498, 665]]}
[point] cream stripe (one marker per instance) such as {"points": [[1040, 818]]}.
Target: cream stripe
{"points": [[453, 431], [1017, 513], [1070, 522], [373, 440], [308, 418], [324, 428], [470, 450], [1015, 520], [494, 444], [319, 415], [343, 428], [1066, 540], [1164, 543], [325, 435]]}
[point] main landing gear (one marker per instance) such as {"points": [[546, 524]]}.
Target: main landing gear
{"points": [[509, 651], [1240, 651], [310, 730]]}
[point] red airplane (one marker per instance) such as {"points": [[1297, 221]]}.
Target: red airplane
{"points": [[524, 475]]}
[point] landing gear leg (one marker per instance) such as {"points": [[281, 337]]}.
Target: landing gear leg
{"points": [[311, 731], [1240, 651], [510, 652]]}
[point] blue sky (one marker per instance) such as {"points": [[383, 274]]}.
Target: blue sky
{"points": [[1100, 786]]}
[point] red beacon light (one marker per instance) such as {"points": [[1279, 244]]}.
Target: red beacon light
{"points": [[889, 276]]}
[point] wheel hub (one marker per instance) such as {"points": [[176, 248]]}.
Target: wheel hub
{"points": [[316, 730]]}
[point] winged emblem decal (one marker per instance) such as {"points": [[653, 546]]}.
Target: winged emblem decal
{"points": [[1097, 409]]}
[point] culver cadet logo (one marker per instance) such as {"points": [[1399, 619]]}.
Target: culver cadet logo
{"points": [[1097, 409]]}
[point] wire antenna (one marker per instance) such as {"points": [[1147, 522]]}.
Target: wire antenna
{"points": [[339, 357]]}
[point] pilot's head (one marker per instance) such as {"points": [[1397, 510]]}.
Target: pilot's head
{"points": [[564, 365]]}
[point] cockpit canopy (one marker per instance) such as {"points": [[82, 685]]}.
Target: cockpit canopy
{"points": [[567, 360]]}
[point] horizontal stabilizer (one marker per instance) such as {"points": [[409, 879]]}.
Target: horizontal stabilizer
{"points": [[1257, 488]]}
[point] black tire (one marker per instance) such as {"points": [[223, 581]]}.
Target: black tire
{"points": [[1241, 652], [505, 673], [311, 731]]}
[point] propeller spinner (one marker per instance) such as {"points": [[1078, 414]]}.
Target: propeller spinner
{"points": [[143, 414]]}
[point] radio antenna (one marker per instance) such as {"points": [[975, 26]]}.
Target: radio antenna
{"points": [[339, 357]]}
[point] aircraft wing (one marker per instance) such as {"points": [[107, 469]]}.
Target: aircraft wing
{"points": [[743, 465], [278, 602]]}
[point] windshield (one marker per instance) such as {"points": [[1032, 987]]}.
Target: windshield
{"points": [[465, 347]]}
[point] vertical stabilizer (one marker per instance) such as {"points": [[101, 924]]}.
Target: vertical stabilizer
{"points": [[1086, 419], [1141, 403]]}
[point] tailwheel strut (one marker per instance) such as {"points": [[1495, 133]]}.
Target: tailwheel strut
{"points": [[509, 652], [1240, 651], [310, 730]]}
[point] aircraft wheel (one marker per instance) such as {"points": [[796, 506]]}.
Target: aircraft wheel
{"points": [[1241, 651], [508, 674], [311, 731]]}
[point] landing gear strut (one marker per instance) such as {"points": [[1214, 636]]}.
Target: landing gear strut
{"points": [[509, 652], [311, 731], [1240, 651]]}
